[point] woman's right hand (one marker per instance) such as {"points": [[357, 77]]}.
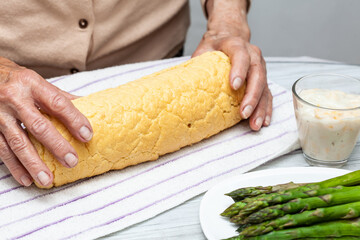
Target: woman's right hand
{"points": [[23, 93]]}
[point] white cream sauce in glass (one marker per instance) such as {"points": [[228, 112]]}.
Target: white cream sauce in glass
{"points": [[328, 134], [328, 123]]}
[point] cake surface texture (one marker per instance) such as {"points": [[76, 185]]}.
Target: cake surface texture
{"points": [[149, 117]]}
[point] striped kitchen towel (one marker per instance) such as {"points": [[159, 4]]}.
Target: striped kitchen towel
{"points": [[104, 204]]}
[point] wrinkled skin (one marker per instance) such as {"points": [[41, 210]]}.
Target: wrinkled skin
{"points": [[22, 94]]}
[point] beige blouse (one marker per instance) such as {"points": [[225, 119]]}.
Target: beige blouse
{"points": [[59, 37]]}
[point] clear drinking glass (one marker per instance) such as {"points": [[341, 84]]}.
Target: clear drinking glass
{"points": [[327, 110]]}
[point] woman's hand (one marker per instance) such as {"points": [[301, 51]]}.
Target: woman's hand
{"points": [[228, 32], [22, 93]]}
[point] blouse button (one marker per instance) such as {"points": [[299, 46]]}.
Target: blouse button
{"points": [[83, 23], [74, 70]]}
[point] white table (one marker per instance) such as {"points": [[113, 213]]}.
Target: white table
{"points": [[182, 222]]}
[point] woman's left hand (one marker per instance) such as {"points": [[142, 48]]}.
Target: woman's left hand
{"points": [[231, 36]]}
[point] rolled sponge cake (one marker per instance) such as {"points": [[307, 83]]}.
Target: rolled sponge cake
{"points": [[149, 117]]}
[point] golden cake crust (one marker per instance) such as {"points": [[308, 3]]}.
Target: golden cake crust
{"points": [[149, 117]]}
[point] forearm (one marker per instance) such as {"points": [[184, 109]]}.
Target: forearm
{"points": [[227, 17]]}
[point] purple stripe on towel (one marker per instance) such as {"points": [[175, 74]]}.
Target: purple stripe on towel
{"points": [[165, 198], [143, 172], [5, 177], [10, 189], [161, 63], [144, 189], [198, 150], [126, 72], [280, 104], [177, 157], [58, 79], [280, 93], [45, 194]]}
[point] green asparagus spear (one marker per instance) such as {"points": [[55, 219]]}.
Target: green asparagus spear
{"points": [[242, 227], [345, 211], [289, 238], [277, 198], [346, 195], [236, 238], [240, 213], [334, 229], [234, 209], [349, 179], [330, 238], [241, 193]]}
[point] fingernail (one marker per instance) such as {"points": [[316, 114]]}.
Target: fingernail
{"points": [[247, 111], [43, 178], [71, 159], [85, 133], [26, 181], [259, 121], [237, 83], [267, 120]]}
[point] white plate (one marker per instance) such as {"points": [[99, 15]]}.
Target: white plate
{"points": [[215, 202]]}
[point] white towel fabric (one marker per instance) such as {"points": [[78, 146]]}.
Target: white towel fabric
{"points": [[104, 204]]}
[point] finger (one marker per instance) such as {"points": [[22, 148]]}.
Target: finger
{"points": [[240, 62], [269, 108], [202, 48], [257, 119], [45, 132], [56, 104], [21, 146], [16, 169], [256, 82]]}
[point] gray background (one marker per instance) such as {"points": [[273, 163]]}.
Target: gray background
{"points": [[328, 29]]}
